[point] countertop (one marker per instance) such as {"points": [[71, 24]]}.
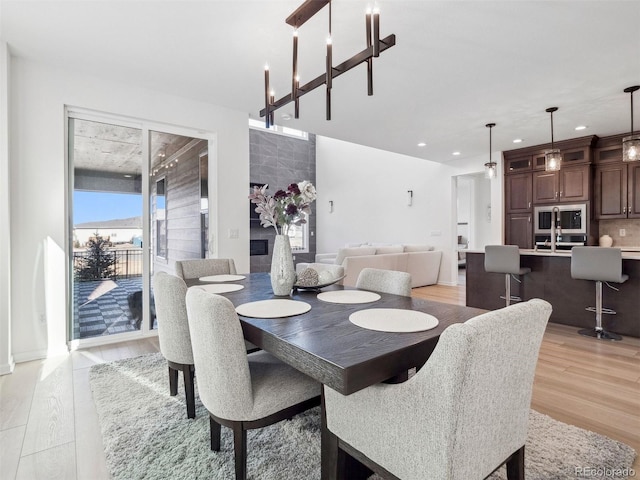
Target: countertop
{"points": [[626, 253]]}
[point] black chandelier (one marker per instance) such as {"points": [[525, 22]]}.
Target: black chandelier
{"points": [[375, 46]]}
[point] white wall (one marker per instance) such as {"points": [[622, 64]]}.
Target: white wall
{"points": [[483, 212], [6, 358], [38, 178], [493, 233], [368, 188]]}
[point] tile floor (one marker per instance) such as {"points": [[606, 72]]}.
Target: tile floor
{"points": [[108, 313]]}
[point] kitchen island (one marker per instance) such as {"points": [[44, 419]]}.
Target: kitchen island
{"points": [[550, 279]]}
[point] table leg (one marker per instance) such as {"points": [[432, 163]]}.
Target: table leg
{"points": [[328, 446]]}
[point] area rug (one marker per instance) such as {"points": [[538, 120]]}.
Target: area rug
{"points": [[147, 435]]}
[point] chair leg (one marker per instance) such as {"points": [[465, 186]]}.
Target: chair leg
{"points": [[507, 287], [215, 434], [240, 450], [173, 382], [599, 332], [515, 465], [188, 372]]}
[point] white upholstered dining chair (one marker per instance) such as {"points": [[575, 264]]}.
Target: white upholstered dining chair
{"points": [[173, 334], [462, 415], [385, 281], [240, 391], [201, 267]]}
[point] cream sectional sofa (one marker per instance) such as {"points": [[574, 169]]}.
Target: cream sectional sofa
{"points": [[421, 261]]}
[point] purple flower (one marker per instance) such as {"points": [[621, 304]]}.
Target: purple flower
{"points": [[285, 207], [280, 194], [293, 188], [291, 209]]}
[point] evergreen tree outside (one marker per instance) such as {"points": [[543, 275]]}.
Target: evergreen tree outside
{"points": [[98, 263]]}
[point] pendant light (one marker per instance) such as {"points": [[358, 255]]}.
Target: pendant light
{"points": [[631, 144], [490, 168], [553, 157]]}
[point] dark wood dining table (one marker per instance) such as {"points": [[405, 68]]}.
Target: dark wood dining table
{"points": [[325, 345]]}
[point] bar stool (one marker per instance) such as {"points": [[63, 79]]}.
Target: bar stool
{"points": [[505, 259], [600, 264]]}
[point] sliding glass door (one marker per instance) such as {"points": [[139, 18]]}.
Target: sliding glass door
{"points": [[138, 202]]}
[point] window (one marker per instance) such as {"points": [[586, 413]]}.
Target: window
{"points": [[161, 219], [299, 237], [290, 132]]}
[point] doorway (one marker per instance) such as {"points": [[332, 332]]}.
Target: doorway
{"points": [[473, 218], [136, 204]]}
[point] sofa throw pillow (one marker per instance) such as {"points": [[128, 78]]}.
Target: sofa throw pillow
{"points": [[354, 252], [390, 249], [418, 248]]}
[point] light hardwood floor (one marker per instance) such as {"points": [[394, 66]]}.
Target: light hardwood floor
{"points": [[49, 427]]}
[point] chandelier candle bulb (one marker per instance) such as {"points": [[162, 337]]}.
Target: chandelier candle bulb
{"points": [[368, 26], [329, 61], [369, 60], [329, 76], [296, 104], [376, 32], [294, 88], [267, 117], [272, 99]]}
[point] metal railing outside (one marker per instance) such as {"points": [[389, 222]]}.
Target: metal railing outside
{"points": [[128, 262]]}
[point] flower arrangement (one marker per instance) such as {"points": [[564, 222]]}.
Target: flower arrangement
{"points": [[285, 207]]}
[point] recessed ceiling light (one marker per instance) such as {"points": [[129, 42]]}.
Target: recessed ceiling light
{"points": [[286, 116], [456, 153], [517, 140], [581, 127], [422, 144], [126, 175]]}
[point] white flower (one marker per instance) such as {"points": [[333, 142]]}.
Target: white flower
{"points": [[307, 191]]}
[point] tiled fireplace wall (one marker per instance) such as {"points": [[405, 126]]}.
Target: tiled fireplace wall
{"points": [[280, 160]]}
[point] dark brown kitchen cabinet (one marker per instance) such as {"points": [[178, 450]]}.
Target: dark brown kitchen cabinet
{"points": [[633, 192], [617, 191], [570, 157], [545, 187], [519, 230], [518, 192], [569, 184], [574, 183], [518, 164]]}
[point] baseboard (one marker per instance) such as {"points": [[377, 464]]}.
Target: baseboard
{"points": [[40, 354], [30, 356], [7, 368]]}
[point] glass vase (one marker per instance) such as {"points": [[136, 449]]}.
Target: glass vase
{"points": [[283, 275]]}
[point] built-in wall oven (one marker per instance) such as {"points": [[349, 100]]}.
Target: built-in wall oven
{"points": [[571, 225]]}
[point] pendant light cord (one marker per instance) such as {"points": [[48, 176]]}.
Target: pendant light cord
{"points": [[551, 130], [490, 128]]}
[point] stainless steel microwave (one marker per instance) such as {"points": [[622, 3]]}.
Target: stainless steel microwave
{"points": [[571, 219]]}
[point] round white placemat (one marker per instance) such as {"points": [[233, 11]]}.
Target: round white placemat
{"points": [[348, 296], [274, 308], [222, 278], [393, 320], [220, 287]]}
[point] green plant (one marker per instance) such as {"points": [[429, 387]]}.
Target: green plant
{"points": [[98, 262]]}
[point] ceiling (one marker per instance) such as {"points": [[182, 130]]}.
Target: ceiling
{"points": [[111, 148], [456, 65]]}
